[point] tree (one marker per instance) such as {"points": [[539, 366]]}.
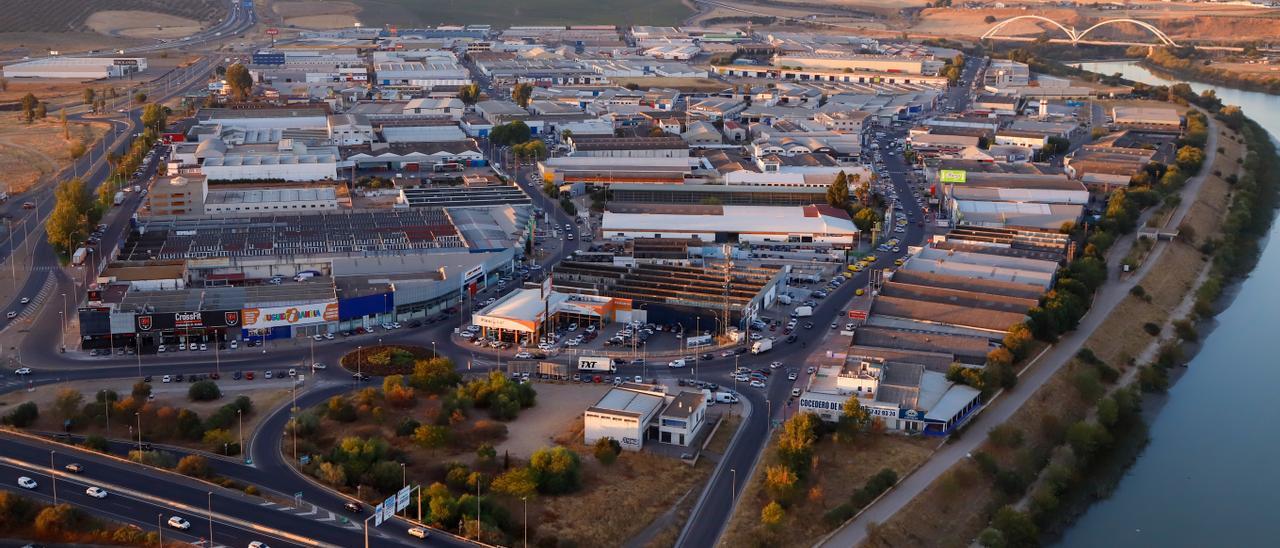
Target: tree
{"points": [[516, 483], [29, 102], [239, 81], [56, 521], [469, 94], [97, 443], [140, 97], [435, 375], [838, 192], [557, 470], [1190, 159], [606, 450], [204, 391], [66, 224], [866, 218], [855, 417], [141, 390], [431, 436], [795, 442], [781, 482], [521, 94], [154, 117], [195, 466], [67, 403], [332, 474], [1017, 527], [771, 515]]}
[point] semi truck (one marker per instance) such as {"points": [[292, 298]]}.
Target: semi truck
{"points": [[596, 364], [77, 258], [761, 346]]}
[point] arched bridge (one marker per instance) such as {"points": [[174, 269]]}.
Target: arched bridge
{"points": [[1076, 36]]}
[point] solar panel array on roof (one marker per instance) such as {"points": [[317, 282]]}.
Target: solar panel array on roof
{"points": [[348, 232]]}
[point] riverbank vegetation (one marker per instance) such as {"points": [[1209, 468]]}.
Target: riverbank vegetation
{"points": [[1193, 64], [1035, 471]]}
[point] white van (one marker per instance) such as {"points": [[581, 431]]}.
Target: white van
{"points": [[676, 364], [304, 276]]}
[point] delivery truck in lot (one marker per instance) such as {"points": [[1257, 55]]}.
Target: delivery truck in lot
{"points": [[596, 364], [761, 346], [803, 311]]}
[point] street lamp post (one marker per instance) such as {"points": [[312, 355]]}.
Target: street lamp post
{"points": [[733, 485], [525, 502], [210, 518], [240, 418], [107, 406], [53, 477], [433, 350], [139, 417], [63, 340], [159, 530]]}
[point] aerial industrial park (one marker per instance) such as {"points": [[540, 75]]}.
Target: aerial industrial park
{"points": [[284, 274]]}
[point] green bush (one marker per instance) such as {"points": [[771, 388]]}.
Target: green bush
{"points": [[204, 391], [23, 415]]}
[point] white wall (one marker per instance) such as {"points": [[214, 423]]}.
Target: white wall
{"points": [[599, 425]]}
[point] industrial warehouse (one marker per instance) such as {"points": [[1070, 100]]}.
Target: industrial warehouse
{"points": [[82, 68], [634, 413]]}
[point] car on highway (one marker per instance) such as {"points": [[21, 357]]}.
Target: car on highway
{"points": [[22, 371], [166, 378], [74, 468], [318, 365], [179, 523], [353, 507], [96, 492], [25, 300], [27, 483], [258, 544], [418, 532], [11, 315], [792, 376]]}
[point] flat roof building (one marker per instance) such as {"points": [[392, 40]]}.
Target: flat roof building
{"points": [[634, 413], [904, 396], [720, 223], [83, 68]]}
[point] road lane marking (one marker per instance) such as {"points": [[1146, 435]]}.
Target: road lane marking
{"points": [[152, 499]]}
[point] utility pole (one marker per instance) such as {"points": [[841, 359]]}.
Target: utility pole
{"points": [[53, 477]]}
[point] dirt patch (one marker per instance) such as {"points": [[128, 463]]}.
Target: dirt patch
{"points": [[842, 469], [30, 152], [635, 490], [142, 24], [558, 405], [317, 14]]}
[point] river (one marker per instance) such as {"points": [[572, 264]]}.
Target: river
{"points": [[1206, 478]]}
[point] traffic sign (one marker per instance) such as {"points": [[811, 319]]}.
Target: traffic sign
{"points": [[273, 31], [389, 508], [377, 515], [402, 499]]}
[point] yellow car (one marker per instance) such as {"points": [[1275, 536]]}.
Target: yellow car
{"points": [[859, 292], [897, 262], [856, 267], [869, 258]]}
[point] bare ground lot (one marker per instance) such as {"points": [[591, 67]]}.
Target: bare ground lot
{"points": [[28, 152], [839, 470], [317, 14], [142, 24], [558, 405]]}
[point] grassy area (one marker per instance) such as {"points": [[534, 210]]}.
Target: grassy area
{"points": [[844, 468], [536, 12], [29, 152], [1138, 252]]}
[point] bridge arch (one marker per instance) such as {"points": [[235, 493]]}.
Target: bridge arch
{"points": [[998, 26], [1159, 34]]}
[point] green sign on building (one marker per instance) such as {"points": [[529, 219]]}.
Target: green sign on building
{"points": [[953, 175]]}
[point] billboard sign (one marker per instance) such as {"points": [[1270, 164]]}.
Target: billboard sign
{"points": [[125, 62], [161, 321], [273, 31], [303, 314], [473, 274], [953, 175], [402, 499], [377, 515]]}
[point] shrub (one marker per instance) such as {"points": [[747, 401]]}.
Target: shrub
{"points": [[771, 515], [23, 415], [96, 443], [606, 450], [557, 470], [516, 483], [1006, 435], [840, 514], [195, 466], [407, 426], [204, 391], [1151, 328]]}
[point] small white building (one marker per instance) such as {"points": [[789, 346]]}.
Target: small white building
{"points": [[633, 413], [904, 396], [451, 107]]}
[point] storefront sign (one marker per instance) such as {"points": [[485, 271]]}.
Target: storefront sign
{"points": [[473, 274], [304, 314], [953, 175], [186, 320]]}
